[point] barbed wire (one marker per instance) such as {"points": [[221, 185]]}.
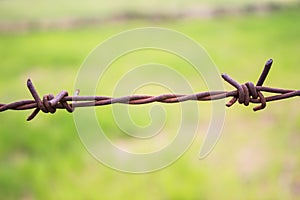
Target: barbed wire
{"points": [[245, 94]]}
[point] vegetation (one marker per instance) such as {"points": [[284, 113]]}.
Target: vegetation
{"points": [[257, 156]]}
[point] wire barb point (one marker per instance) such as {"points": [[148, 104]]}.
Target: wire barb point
{"points": [[265, 72]]}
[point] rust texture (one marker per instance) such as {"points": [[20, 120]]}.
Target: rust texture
{"points": [[244, 93]]}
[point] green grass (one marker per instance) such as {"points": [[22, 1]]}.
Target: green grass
{"points": [[257, 156]]}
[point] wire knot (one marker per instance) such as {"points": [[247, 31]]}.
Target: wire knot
{"points": [[248, 92], [245, 94], [49, 103]]}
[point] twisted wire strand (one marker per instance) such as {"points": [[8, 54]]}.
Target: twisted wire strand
{"points": [[244, 94]]}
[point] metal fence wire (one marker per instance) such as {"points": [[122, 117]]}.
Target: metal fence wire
{"points": [[244, 93]]}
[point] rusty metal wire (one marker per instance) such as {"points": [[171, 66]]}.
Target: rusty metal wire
{"points": [[245, 94]]}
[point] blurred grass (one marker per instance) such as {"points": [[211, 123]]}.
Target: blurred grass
{"points": [[16, 10], [257, 156]]}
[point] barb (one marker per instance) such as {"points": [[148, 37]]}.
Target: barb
{"points": [[245, 94]]}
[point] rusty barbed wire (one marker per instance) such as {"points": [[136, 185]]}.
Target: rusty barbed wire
{"points": [[245, 94]]}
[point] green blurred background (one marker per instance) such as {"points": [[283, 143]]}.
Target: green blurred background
{"points": [[258, 155]]}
